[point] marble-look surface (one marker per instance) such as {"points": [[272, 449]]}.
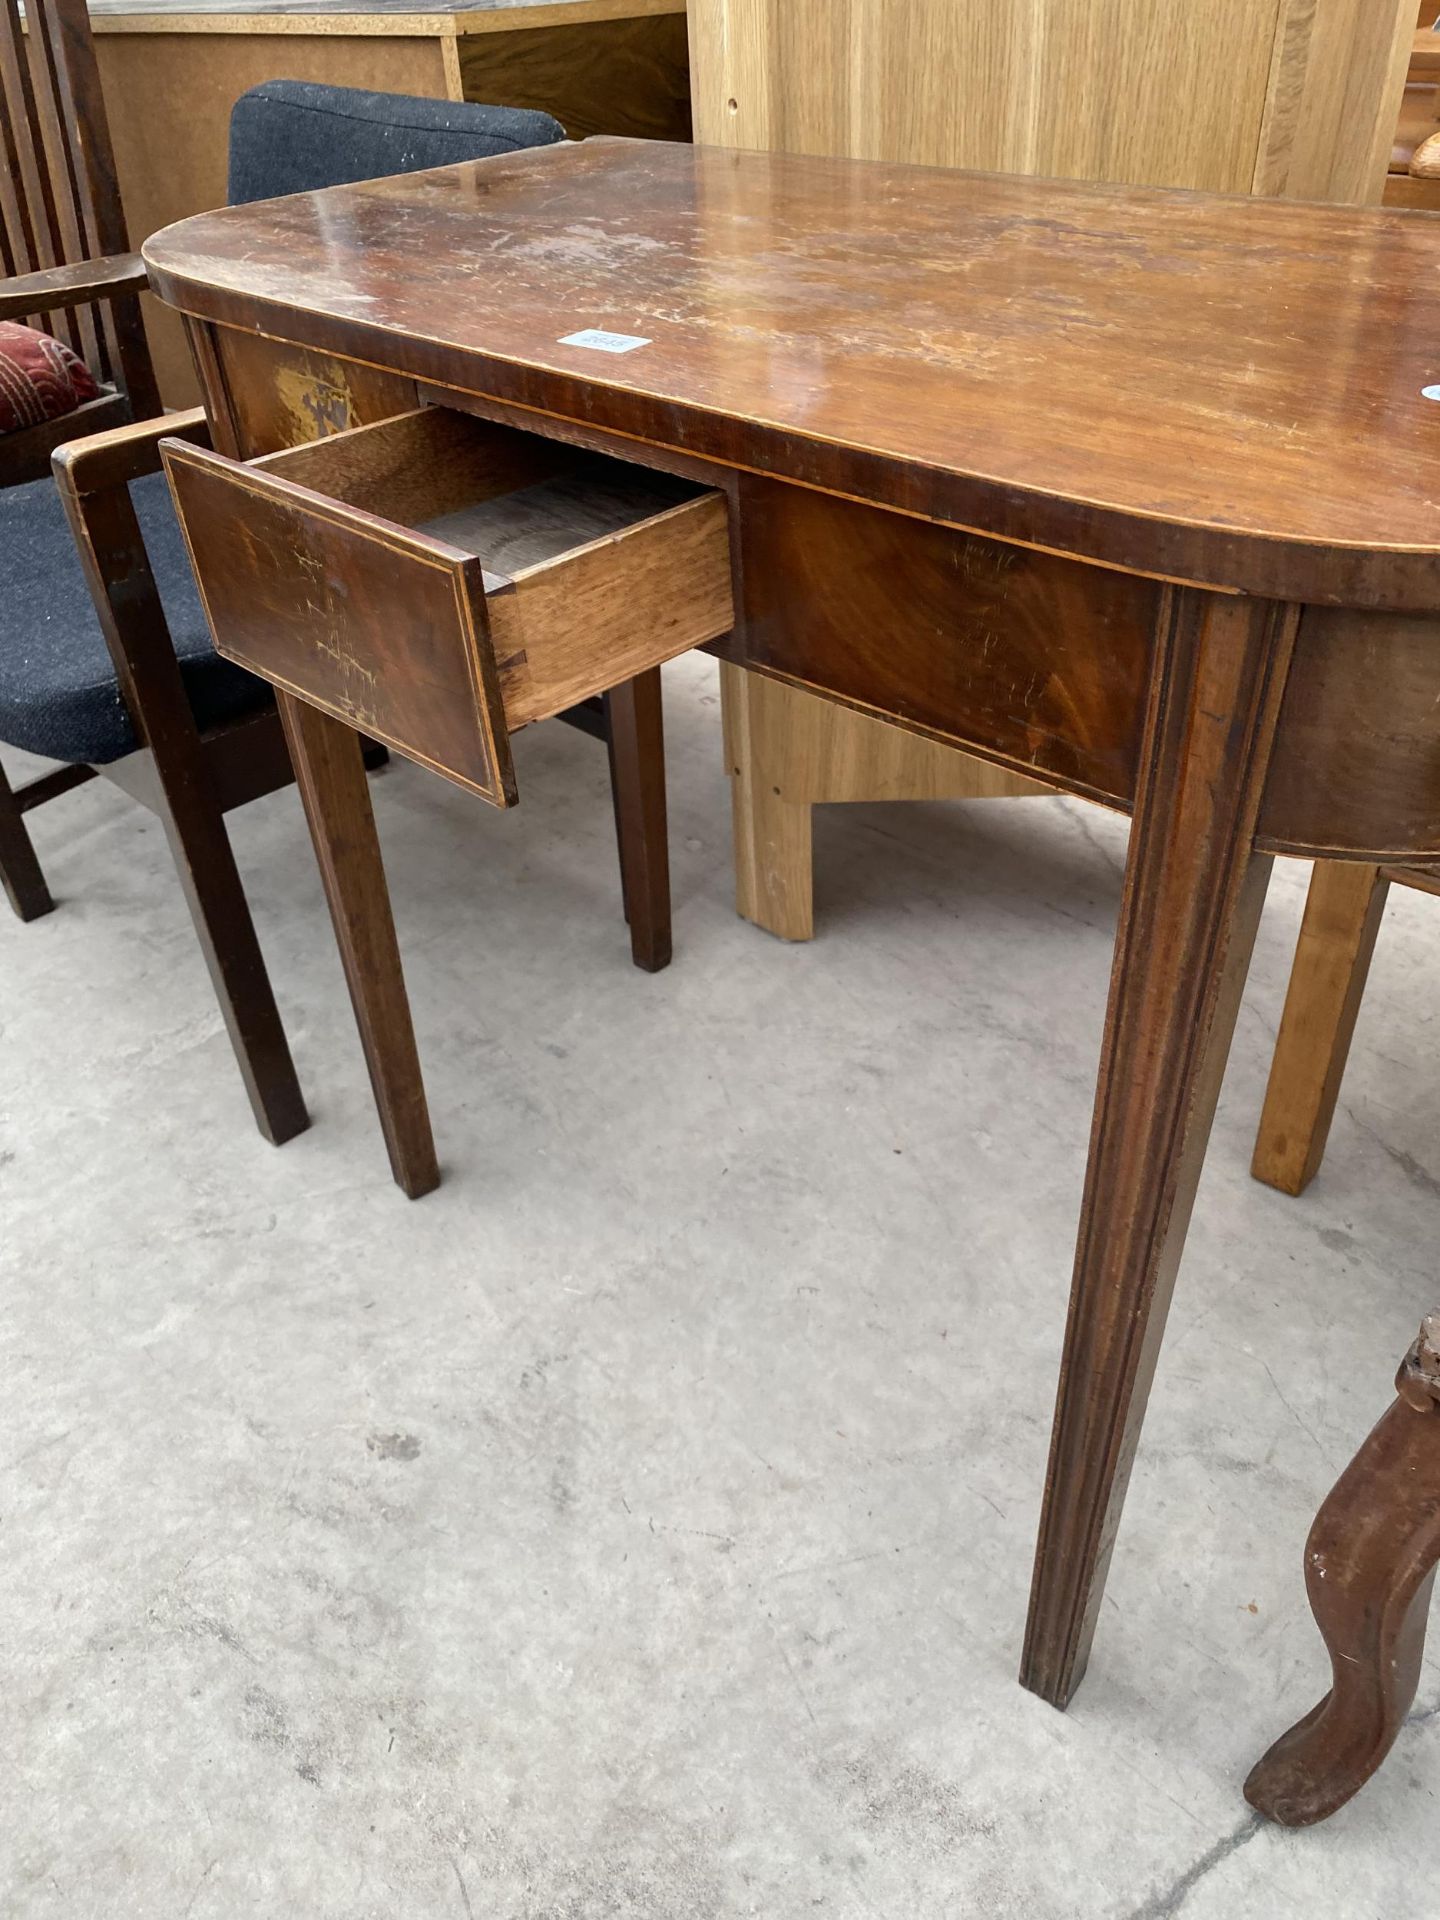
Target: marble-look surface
{"points": [[641, 1525]]}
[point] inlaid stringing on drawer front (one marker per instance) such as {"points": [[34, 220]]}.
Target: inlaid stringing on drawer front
{"points": [[439, 581]]}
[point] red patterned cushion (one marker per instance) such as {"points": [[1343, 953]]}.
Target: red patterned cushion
{"points": [[40, 378]]}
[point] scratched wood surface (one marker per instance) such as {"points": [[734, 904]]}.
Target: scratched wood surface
{"points": [[1221, 390]]}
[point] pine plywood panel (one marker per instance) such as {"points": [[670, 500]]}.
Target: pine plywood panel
{"points": [[1162, 92], [1336, 87]]}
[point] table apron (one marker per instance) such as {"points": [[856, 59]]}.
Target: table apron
{"points": [[1030, 659]]}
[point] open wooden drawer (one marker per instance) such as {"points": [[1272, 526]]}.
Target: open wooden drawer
{"points": [[438, 582]]}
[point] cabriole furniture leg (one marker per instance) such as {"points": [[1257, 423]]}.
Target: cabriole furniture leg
{"points": [[1369, 1569]]}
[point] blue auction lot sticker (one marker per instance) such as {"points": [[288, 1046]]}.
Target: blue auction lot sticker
{"points": [[1430, 393], [603, 342]]}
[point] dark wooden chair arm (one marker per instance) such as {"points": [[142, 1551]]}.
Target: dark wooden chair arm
{"points": [[92, 476], [122, 454], [56, 289]]}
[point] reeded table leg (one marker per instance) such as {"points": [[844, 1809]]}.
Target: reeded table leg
{"points": [[331, 777], [1327, 983], [1369, 1568], [1193, 893]]}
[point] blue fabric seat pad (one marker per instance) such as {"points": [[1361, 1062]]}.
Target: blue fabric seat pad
{"points": [[58, 693]]}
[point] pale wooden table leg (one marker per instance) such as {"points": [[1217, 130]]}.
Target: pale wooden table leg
{"points": [[1194, 889], [789, 750], [774, 878], [331, 776], [1327, 983]]}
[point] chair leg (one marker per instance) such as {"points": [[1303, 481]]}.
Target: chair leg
{"points": [[1327, 983], [127, 604], [1369, 1570], [331, 778], [20, 873], [636, 737], [215, 895]]}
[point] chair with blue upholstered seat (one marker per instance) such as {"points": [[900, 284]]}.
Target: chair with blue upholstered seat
{"points": [[105, 659], [63, 264]]}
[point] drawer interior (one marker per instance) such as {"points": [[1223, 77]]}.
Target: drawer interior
{"points": [[514, 500], [594, 498]]}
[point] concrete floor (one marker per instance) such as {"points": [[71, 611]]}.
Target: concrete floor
{"points": [[641, 1525]]}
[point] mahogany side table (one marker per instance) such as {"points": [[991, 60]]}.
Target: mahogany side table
{"points": [[1131, 492]]}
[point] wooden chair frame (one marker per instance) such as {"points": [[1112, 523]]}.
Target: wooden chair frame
{"points": [[65, 262], [189, 779], [66, 265]]}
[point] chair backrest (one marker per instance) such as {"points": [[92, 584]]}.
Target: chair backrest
{"points": [[59, 202], [289, 136]]}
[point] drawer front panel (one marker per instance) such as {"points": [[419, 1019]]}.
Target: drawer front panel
{"points": [[438, 580], [1045, 661], [384, 628]]}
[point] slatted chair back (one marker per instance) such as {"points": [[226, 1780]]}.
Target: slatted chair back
{"points": [[59, 202]]}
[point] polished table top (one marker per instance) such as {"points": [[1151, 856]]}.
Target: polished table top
{"points": [[1228, 391]]}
